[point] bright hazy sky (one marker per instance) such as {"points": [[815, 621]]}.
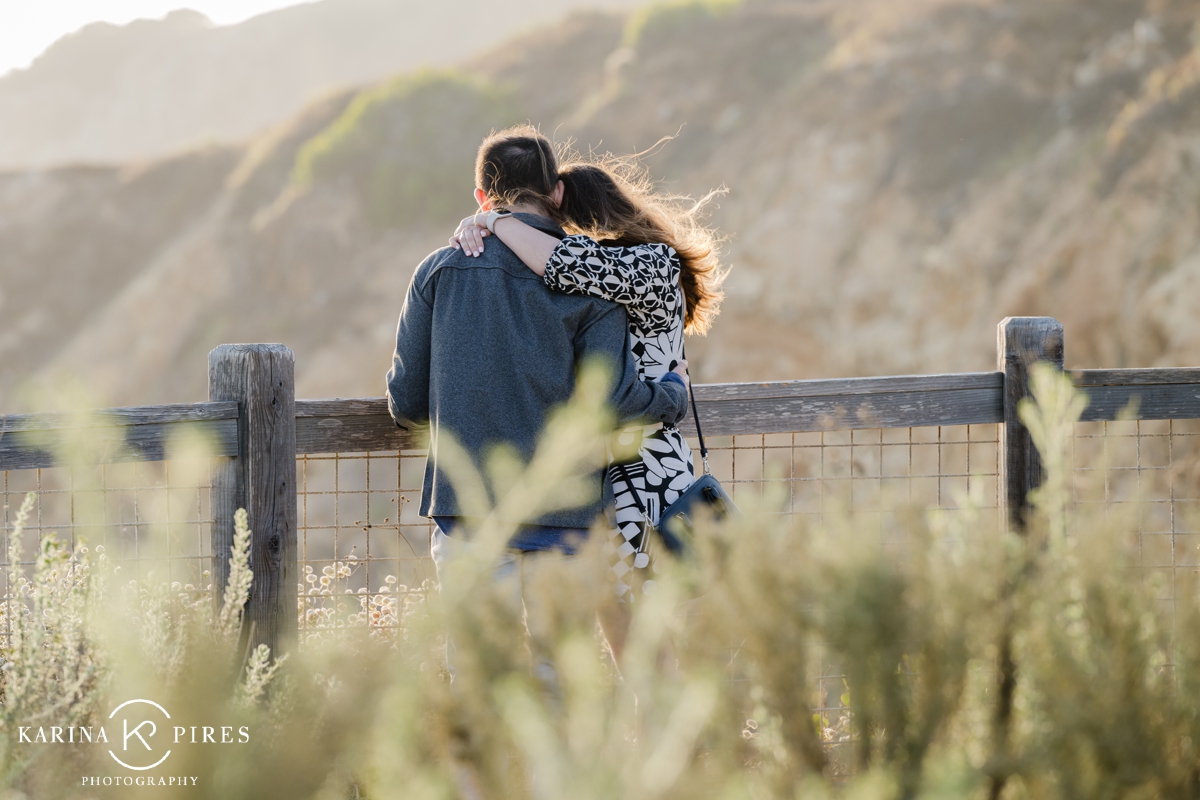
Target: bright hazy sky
{"points": [[27, 27]]}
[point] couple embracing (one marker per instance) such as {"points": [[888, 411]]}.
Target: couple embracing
{"points": [[563, 262]]}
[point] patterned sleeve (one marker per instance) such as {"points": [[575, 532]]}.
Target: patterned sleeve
{"points": [[644, 277]]}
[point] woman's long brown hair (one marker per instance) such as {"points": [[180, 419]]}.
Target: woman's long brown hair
{"points": [[610, 199]]}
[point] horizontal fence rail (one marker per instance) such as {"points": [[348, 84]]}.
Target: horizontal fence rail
{"points": [[729, 409], [346, 426], [32, 441], [1144, 394], [114, 435], [910, 401]]}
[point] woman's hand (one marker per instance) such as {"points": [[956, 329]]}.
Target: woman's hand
{"points": [[681, 371], [469, 236]]}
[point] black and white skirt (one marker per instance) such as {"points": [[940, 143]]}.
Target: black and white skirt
{"points": [[662, 473]]}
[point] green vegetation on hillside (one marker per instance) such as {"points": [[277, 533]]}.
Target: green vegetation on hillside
{"points": [[408, 147], [674, 15]]}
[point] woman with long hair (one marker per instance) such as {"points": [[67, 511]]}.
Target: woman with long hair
{"points": [[629, 244]]}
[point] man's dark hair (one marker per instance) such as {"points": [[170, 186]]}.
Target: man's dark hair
{"points": [[517, 166]]}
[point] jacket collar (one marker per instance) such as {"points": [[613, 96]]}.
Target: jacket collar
{"points": [[543, 224]]}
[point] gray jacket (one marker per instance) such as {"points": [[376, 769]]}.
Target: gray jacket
{"points": [[484, 350]]}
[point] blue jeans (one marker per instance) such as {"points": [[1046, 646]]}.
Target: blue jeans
{"points": [[531, 538]]}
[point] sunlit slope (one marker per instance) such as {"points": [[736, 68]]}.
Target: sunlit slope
{"points": [[108, 94], [901, 176], [904, 175]]}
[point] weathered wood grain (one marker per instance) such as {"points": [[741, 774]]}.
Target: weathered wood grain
{"points": [[1020, 343], [38, 441], [107, 417], [1136, 377], [353, 425], [262, 479], [1166, 401], [849, 386], [342, 407], [847, 412], [1168, 393]]}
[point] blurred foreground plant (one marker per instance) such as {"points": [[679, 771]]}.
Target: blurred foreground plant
{"points": [[51, 667], [830, 658]]}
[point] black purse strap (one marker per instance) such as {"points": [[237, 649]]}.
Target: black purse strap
{"points": [[696, 418], [646, 523], [637, 500]]}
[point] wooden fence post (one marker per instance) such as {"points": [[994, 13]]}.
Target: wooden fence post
{"points": [[1020, 343], [261, 478]]}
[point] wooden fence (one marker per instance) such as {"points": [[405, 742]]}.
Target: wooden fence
{"points": [[258, 430]]}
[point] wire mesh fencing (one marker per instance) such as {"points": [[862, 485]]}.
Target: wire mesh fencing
{"points": [[360, 535], [151, 518], [872, 473], [1142, 478], [363, 547]]}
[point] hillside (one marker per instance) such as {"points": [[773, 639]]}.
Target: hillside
{"points": [[108, 94], [902, 175]]}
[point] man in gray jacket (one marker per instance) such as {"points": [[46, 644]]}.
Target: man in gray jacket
{"points": [[484, 350]]}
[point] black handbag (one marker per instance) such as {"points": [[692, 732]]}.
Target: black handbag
{"points": [[675, 526]]}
